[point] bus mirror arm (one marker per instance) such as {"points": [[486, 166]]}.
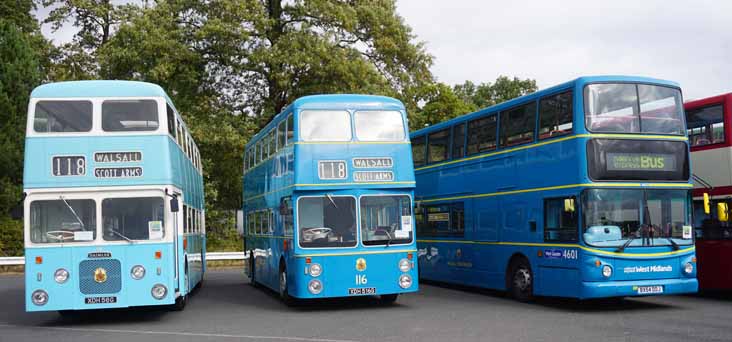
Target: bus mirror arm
{"points": [[174, 208], [17, 212]]}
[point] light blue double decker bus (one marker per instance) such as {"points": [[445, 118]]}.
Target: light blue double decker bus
{"points": [[328, 187], [113, 208], [579, 190]]}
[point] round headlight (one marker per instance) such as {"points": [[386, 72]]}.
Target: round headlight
{"points": [[137, 272], [404, 265], [405, 281], [39, 297], [315, 286], [315, 270], [688, 268], [61, 275], [607, 271], [159, 291]]}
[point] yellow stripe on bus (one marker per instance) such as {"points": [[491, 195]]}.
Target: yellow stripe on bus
{"points": [[564, 245]]}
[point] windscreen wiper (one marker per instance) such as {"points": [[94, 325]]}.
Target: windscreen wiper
{"points": [[73, 212], [674, 245], [626, 244], [122, 236], [388, 240], [331, 200]]}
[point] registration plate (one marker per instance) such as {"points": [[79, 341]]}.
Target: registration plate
{"points": [[100, 300], [362, 291], [650, 289]]}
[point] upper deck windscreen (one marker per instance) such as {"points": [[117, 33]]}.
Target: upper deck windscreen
{"points": [[342, 125], [633, 108]]}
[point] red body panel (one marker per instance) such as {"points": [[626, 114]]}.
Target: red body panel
{"points": [[714, 257]]}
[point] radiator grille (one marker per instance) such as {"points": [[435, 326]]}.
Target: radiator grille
{"points": [[113, 284]]}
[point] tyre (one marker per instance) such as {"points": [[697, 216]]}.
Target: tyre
{"points": [[388, 299], [180, 303], [284, 286], [521, 280]]}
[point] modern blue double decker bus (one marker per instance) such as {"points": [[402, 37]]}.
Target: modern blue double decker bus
{"points": [[328, 187], [113, 208], [580, 190]]}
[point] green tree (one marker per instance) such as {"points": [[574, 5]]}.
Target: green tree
{"points": [[20, 72], [441, 104], [501, 90]]}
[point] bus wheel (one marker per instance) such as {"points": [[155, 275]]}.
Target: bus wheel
{"points": [[180, 303], [388, 299], [521, 281], [284, 293]]}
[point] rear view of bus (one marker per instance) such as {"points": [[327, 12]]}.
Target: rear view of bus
{"points": [[328, 190], [113, 208]]}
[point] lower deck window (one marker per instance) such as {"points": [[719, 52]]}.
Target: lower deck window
{"points": [[560, 219], [445, 220], [327, 221], [61, 220], [386, 219]]}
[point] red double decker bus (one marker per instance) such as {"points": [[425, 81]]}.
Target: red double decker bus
{"points": [[709, 124]]}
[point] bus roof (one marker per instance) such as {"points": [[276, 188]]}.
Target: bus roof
{"points": [[332, 101], [100, 88], [541, 93]]}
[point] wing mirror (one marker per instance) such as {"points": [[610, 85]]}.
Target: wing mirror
{"points": [[174, 204]]}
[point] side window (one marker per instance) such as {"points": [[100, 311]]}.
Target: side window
{"points": [[265, 222], [257, 222], [281, 131], [705, 125], [180, 134], [171, 121], [258, 152], [272, 141], [555, 115], [418, 151], [444, 220], [482, 134], [517, 125], [271, 221], [439, 146], [560, 219], [250, 223], [286, 203], [290, 129], [185, 219], [458, 141]]}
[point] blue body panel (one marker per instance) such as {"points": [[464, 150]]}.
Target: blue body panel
{"points": [[165, 167], [503, 193], [293, 172]]}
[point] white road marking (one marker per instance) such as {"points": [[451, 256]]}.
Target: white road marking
{"points": [[143, 332]]}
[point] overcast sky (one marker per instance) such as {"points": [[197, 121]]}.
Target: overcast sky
{"points": [[689, 42]]}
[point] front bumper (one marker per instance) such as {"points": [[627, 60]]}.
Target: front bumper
{"points": [[628, 288]]}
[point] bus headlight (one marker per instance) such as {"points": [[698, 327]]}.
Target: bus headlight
{"points": [[315, 286], [137, 272], [405, 281], [61, 275], [404, 265], [159, 291], [315, 270], [607, 271], [39, 297], [688, 268]]}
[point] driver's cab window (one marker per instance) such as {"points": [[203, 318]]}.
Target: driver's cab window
{"points": [[327, 221], [560, 219], [139, 218], [62, 221]]}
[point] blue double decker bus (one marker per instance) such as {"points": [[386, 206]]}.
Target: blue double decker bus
{"points": [[580, 190], [113, 208], [328, 187]]}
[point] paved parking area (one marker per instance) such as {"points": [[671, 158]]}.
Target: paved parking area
{"points": [[227, 308]]}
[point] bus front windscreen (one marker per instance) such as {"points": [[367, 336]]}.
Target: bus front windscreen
{"points": [[636, 217], [327, 221], [633, 108], [386, 219]]}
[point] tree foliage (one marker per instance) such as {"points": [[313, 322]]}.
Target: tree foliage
{"points": [[20, 72], [489, 94]]}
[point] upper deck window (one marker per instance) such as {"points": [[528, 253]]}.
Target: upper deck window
{"points": [[171, 120], [418, 150], [517, 125], [378, 125], [706, 125], [555, 115], [325, 125], [62, 116], [458, 141], [482, 134], [439, 146], [633, 108], [129, 115]]}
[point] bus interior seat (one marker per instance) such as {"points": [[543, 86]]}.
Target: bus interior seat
{"points": [[602, 233]]}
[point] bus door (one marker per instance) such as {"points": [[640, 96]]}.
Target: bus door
{"points": [[486, 220]]}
